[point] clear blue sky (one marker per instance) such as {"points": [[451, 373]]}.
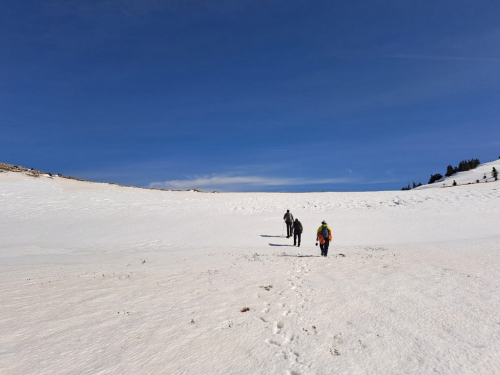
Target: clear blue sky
{"points": [[249, 95]]}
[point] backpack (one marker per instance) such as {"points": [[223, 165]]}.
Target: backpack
{"points": [[324, 232], [297, 226]]}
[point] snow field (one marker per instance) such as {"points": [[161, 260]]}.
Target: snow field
{"points": [[100, 279]]}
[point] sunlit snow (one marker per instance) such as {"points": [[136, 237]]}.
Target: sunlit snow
{"points": [[104, 279]]}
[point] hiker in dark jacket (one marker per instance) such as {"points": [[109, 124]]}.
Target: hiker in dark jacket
{"points": [[297, 231], [289, 221]]}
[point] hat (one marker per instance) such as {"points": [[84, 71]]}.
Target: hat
{"points": [[323, 222]]}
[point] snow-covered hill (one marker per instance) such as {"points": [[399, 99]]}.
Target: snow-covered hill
{"points": [[104, 279], [481, 174]]}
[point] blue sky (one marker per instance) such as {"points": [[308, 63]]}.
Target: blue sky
{"points": [[249, 95]]}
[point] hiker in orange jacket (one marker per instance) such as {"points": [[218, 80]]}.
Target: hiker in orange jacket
{"points": [[324, 236]]}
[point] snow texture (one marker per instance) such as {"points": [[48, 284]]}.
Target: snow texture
{"points": [[104, 279]]}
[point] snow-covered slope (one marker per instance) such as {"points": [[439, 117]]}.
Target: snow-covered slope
{"points": [[103, 279], [481, 174]]}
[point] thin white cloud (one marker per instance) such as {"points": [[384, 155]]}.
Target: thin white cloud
{"points": [[242, 183], [378, 182]]}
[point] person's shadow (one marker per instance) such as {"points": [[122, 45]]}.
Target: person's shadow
{"points": [[267, 236], [278, 244], [299, 256]]}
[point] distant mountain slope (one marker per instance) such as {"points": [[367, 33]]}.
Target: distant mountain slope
{"points": [[469, 177], [4, 167]]}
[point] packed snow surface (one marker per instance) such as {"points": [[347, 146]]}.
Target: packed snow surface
{"points": [[103, 279]]}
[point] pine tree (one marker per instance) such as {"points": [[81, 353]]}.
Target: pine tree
{"points": [[449, 171], [466, 165], [494, 174], [454, 183], [435, 177]]}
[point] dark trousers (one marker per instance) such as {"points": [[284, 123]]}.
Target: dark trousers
{"points": [[288, 229], [296, 235], [324, 248]]}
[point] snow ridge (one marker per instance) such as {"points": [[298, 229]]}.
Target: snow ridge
{"points": [[481, 174]]}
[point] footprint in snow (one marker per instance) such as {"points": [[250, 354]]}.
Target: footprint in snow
{"points": [[273, 342], [288, 339], [338, 338], [278, 326]]}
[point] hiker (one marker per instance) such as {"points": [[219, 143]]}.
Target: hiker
{"points": [[297, 231], [324, 236], [289, 221]]}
